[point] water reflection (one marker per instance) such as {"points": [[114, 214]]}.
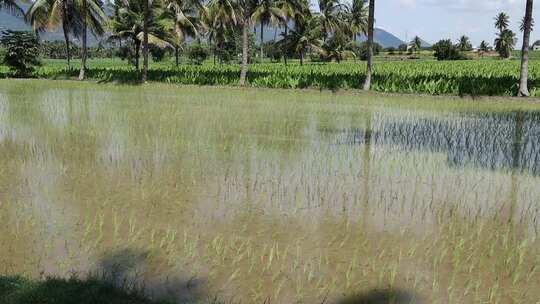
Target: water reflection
{"points": [[494, 141]]}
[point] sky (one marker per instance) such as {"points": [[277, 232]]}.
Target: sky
{"points": [[433, 20]]}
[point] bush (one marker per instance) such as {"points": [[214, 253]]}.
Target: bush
{"points": [[362, 51], [22, 51], [446, 50], [198, 53]]}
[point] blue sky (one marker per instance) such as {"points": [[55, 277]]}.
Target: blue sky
{"points": [[436, 19]]}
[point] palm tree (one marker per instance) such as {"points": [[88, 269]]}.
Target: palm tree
{"points": [[371, 21], [330, 17], [504, 43], [527, 26], [93, 18], [266, 12], [357, 15], [48, 15], [304, 37], [11, 6], [128, 24], [291, 9], [181, 18], [501, 21], [219, 17], [245, 9], [464, 44], [416, 44], [483, 48]]}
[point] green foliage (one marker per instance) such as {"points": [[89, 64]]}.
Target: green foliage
{"points": [[467, 77], [197, 53], [17, 290], [446, 50], [361, 50], [22, 51]]}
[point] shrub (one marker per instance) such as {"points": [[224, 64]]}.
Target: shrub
{"points": [[446, 50], [361, 52], [22, 51], [198, 53]]}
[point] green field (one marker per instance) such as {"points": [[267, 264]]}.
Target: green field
{"points": [[266, 196], [469, 77]]}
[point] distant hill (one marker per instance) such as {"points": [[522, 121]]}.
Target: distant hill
{"points": [[382, 37]]}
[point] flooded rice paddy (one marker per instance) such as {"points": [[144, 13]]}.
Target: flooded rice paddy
{"points": [[269, 196]]}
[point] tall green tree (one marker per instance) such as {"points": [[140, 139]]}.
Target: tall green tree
{"points": [[483, 48], [502, 21], [357, 18], [245, 9], [527, 27], [331, 17], [266, 12], [304, 37], [416, 44], [92, 18], [181, 18], [48, 15], [220, 17], [464, 44], [505, 42], [371, 21]]}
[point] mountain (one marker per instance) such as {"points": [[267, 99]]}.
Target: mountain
{"points": [[383, 38]]}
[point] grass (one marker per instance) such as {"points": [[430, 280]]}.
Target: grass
{"points": [[469, 77], [281, 196]]}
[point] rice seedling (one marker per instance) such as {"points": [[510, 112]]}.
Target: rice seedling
{"points": [[259, 196]]}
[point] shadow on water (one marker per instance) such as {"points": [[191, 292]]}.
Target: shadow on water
{"points": [[146, 272], [502, 141], [381, 296]]}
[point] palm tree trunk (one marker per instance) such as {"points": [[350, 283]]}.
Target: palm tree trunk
{"points": [[301, 57], [84, 54], [245, 46], [371, 17], [262, 41], [285, 50], [524, 75], [177, 56], [145, 41], [66, 38], [137, 53]]}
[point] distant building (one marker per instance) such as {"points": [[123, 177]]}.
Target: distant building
{"points": [[536, 47]]}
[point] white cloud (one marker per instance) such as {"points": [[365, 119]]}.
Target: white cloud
{"points": [[407, 4], [474, 5]]}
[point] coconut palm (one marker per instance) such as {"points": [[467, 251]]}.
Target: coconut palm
{"points": [[290, 10], [483, 48], [245, 10], [464, 44], [48, 15], [304, 37], [527, 27], [331, 17], [505, 42], [92, 18], [11, 6], [371, 21], [128, 25], [357, 15], [219, 17], [416, 44], [181, 18], [266, 12], [501, 21]]}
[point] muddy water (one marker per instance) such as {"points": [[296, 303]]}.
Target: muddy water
{"points": [[254, 195]]}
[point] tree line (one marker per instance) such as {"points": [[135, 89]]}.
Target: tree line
{"points": [[137, 25]]}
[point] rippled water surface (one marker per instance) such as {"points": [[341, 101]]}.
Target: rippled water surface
{"points": [[268, 195]]}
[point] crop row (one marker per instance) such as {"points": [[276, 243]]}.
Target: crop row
{"points": [[480, 77]]}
